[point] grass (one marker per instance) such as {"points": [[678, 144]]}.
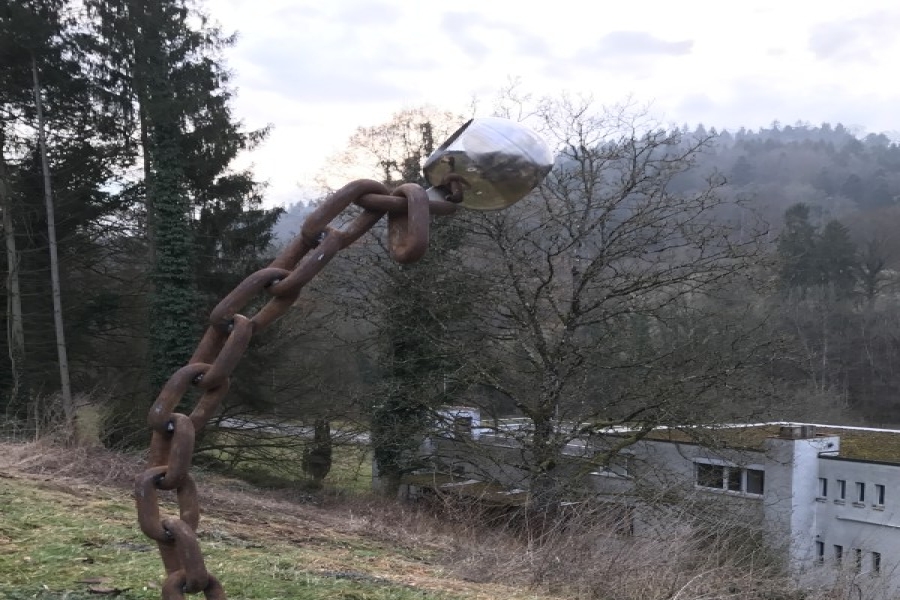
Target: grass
{"points": [[351, 469], [869, 445], [279, 466], [63, 536], [68, 531]]}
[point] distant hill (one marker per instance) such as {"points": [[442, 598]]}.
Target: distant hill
{"points": [[290, 222], [827, 167]]}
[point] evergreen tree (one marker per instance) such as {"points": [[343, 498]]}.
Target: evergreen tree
{"points": [[27, 30], [837, 260], [206, 224], [743, 172], [420, 309], [797, 249], [43, 57], [426, 307], [872, 263], [810, 258], [415, 325], [853, 188]]}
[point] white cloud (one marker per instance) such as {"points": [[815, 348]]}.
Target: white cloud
{"points": [[638, 43], [317, 70], [865, 39]]}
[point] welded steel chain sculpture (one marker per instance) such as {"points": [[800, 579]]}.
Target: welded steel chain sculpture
{"points": [[487, 164]]}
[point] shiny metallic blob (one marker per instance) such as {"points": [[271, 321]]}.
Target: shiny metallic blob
{"points": [[500, 160]]}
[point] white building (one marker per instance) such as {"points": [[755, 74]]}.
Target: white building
{"points": [[825, 498]]}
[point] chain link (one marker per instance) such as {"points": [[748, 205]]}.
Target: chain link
{"points": [[224, 344]]}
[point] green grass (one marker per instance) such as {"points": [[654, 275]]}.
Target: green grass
{"points": [[56, 543], [62, 533], [351, 469], [281, 467]]}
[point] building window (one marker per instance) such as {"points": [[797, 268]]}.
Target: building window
{"points": [[732, 479], [710, 476], [841, 489], [618, 466], [876, 563], [755, 481], [820, 553], [823, 487], [879, 494], [857, 560], [838, 554], [860, 491], [462, 426]]}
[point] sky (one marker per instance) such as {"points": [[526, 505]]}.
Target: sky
{"points": [[317, 70]]}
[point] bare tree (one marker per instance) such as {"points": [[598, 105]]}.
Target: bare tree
{"points": [[393, 151], [613, 300], [605, 298], [405, 314]]}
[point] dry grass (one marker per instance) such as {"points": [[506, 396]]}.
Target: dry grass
{"points": [[69, 519], [577, 556], [289, 544]]}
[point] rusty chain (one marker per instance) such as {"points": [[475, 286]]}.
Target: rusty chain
{"points": [[225, 341]]}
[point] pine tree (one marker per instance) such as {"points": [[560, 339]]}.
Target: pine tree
{"points": [[797, 249], [54, 137], [810, 258], [838, 264], [25, 30], [204, 220]]}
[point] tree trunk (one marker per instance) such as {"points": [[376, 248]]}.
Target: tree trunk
{"points": [[15, 329], [148, 183], [62, 356], [174, 297], [544, 488], [317, 456]]}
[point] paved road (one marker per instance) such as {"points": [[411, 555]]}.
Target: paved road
{"points": [[301, 431]]}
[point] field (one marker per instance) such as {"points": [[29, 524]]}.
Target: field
{"points": [[68, 531]]}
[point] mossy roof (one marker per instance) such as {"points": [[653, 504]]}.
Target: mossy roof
{"points": [[879, 445]]}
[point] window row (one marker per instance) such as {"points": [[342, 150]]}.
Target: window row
{"points": [[837, 557], [732, 479], [859, 491]]}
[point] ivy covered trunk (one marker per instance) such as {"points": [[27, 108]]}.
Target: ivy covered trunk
{"points": [[173, 325]]}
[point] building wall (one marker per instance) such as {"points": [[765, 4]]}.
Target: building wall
{"points": [[656, 479], [801, 520], [790, 516], [868, 526]]}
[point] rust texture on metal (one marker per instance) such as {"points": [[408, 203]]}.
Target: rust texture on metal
{"points": [[223, 345]]}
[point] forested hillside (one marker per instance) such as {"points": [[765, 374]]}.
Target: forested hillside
{"points": [[831, 201], [821, 202], [835, 172]]}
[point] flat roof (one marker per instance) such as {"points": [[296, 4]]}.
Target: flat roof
{"points": [[857, 443]]}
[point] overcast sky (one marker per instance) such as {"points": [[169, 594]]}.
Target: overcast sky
{"points": [[316, 70]]}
